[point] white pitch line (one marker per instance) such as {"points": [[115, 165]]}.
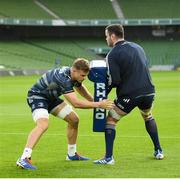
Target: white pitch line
{"points": [[91, 135]]}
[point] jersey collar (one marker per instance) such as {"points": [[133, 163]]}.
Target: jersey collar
{"points": [[119, 42]]}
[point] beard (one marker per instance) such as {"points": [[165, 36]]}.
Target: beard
{"points": [[109, 42]]}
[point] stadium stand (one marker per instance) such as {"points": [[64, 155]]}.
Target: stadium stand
{"points": [[162, 52], [28, 52], [16, 54], [150, 8], [41, 53], [85, 9], [81, 9], [22, 9], [66, 9]]}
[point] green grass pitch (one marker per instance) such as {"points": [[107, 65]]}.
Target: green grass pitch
{"points": [[133, 148]]}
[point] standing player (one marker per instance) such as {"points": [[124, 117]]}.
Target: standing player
{"points": [[43, 99], [128, 73]]}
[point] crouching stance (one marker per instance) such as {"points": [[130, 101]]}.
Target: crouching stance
{"points": [[43, 98]]}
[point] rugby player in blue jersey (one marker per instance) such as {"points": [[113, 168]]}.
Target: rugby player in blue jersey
{"points": [[128, 72], [43, 98]]}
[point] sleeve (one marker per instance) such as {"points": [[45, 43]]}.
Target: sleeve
{"points": [[68, 87], [113, 71], [65, 85]]}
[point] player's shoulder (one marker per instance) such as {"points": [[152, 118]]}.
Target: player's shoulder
{"points": [[130, 47], [135, 45], [63, 71], [118, 49], [62, 74]]}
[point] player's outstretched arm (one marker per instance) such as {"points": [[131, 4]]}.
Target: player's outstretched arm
{"points": [[84, 104], [83, 91]]}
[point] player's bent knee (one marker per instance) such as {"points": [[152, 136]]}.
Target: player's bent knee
{"points": [[148, 118], [74, 122], [66, 110], [146, 114], [40, 113], [72, 119], [112, 113]]}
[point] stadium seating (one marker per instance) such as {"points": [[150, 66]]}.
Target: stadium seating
{"points": [[150, 8], [66, 9], [81, 9], [164, 52], [94, 9], [16, 54], [42, 53], [22, 9]]}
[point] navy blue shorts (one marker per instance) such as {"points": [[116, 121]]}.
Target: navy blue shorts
{"points": [[43, 103], [127, 104]]}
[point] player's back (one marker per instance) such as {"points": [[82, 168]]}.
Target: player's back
{"points": [[53, 83], [131, 74]]}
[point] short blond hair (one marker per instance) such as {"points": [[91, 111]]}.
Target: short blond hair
{"points": [[81, 64]]}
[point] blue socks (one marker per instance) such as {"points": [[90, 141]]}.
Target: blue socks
{"points": [[110, 134], [153, 132]]}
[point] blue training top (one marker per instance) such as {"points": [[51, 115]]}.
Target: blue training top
{"points": [[53, 84], [128, 70]]}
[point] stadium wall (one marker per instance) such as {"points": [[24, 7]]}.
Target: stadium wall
{"points": [[131, 32]]}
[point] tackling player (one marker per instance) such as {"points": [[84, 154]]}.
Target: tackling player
{"points": [[128, 72], [43, 98]]}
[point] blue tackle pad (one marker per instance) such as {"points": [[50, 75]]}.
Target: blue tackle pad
{"points": [[98, 75]]}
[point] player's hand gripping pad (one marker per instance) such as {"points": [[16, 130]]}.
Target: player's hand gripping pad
{"points": [[98, 75]]}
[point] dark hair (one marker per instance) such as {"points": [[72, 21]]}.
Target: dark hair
{"points": [[116, 29], [81, 64]]}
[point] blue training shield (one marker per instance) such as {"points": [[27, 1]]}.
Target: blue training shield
{"points": [[98, 75]]}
